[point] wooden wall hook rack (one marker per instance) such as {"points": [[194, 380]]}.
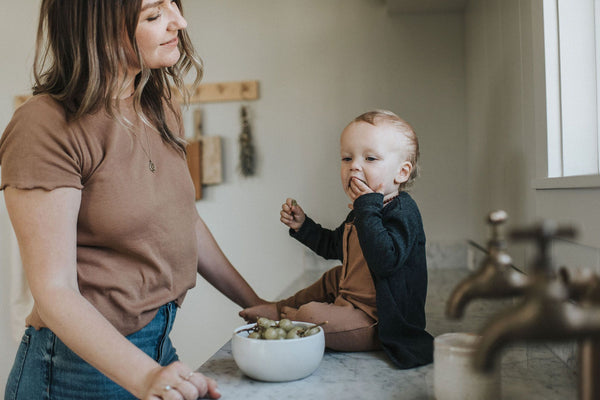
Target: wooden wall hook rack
{"points": [[225, 91], [205, 93]]}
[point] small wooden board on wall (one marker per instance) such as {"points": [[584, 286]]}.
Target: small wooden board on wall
{"points": [[194, 161], [212, 170], [204, 157], [20, 100]]}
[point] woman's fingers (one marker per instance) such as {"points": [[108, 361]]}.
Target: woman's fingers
{"points": [[177, 382]]}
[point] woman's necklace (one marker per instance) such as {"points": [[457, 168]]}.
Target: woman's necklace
{"points": [[148, 153]]}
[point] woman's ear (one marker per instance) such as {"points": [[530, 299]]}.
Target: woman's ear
{"points": [[403, 172]]}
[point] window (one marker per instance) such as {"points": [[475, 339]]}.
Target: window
{"points": [[572, 40]]}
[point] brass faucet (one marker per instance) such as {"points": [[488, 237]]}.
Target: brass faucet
{"points": [[496, 276], [548, 312]]}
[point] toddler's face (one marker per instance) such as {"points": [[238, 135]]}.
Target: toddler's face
{"points": [[373, 154]]}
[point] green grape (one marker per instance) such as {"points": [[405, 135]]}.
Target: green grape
{"points": [[270, 334], [313, 331], [294, 333], [286, 324], [281, 333], [264, 322], [254, 335], [268, 329]]}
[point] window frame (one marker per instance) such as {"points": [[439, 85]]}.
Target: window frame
{"points": [[571, 103]]}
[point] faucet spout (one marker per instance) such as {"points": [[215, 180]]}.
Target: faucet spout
{"points": [[496, 278], [509, 326], [553, 307], [544, 315], [461, 296]]}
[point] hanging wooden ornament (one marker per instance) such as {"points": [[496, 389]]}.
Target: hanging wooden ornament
{"points": [[247, 156]]}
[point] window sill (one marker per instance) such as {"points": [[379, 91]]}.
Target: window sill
{"points": [[567, 182]]}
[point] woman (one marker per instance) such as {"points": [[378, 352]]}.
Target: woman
{"points": [[96, 185]]}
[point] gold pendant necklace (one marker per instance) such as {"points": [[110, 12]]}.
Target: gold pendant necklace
{"points": [[151, 165]]}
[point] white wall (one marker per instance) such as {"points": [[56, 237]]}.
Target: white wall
{"points": [[506, 114], [319, 64], [506, 129], [17, 34], [500, 116]]}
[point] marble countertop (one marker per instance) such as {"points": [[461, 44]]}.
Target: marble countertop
{"points": [[528, 371]]}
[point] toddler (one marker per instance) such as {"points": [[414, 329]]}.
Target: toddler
{"points": [[376, 298]]}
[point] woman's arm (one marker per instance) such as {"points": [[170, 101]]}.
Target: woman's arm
{"points": [[214, 266], [45, 223]]}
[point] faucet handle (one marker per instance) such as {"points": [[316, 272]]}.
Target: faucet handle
{"points": [[583, 284], [543, 234], [497, 217], [496, 220]]}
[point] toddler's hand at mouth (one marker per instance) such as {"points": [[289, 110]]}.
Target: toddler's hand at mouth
{"points": [[357, 187]]}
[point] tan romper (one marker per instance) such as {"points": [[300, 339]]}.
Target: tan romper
{"points": [[345, 297]]}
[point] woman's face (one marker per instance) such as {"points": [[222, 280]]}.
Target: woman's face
{"points": [[157, 33]]}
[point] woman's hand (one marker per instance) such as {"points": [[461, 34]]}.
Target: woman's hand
{"points": [[268, 310], [292, 214], [176, 381]]}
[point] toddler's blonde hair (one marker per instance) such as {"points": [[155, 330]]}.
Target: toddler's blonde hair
{"points": [[376, 117]]}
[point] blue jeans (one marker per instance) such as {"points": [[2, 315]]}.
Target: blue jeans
{"points": [[45, 368]]}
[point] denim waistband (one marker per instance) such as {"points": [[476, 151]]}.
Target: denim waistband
{"points": [[45, 368]]}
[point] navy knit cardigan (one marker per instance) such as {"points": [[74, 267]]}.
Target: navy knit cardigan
{"points": [[392, 240]]}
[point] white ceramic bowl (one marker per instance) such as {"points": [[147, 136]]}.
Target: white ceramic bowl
{"points": [[277, 360]]}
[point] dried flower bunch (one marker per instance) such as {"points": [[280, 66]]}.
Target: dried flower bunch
{"points": [[247, 156]]}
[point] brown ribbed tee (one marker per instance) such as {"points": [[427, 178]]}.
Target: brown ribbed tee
{"points": [[136, 240]]}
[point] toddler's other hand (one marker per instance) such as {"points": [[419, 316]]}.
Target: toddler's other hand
{"points": [[292, 214], [268, 310]]}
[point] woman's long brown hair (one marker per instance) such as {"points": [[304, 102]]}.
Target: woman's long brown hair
{"points": [[82, 54]]}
